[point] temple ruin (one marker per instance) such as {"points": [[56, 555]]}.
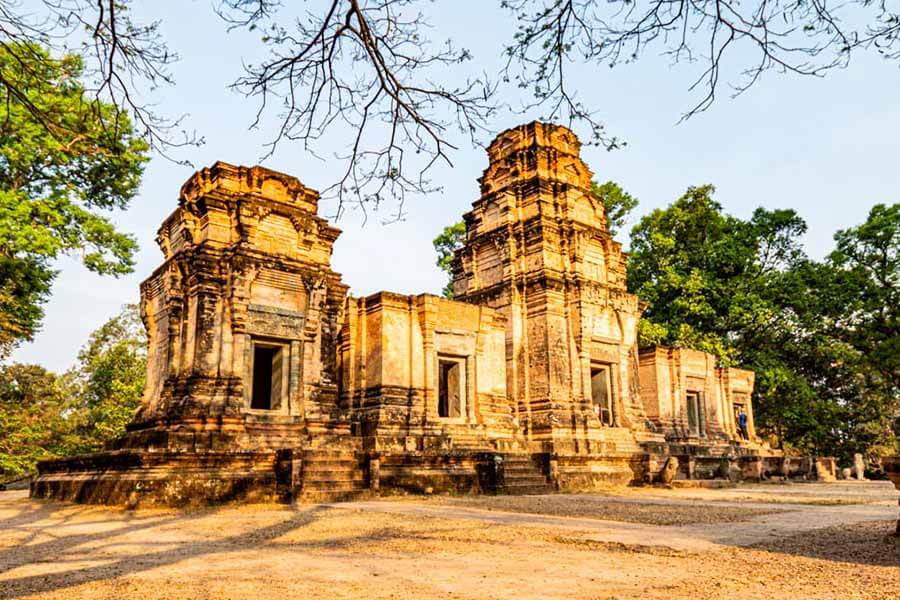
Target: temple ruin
{"points": [[267, 381]]}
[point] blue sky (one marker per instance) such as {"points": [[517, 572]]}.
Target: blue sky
{"points": [[827, 148]]}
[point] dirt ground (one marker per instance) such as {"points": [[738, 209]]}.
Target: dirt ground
{"points": [[603, 507], [623, 544]]}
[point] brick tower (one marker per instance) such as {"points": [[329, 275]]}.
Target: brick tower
{"points": [[245, 294], [538, 249]]}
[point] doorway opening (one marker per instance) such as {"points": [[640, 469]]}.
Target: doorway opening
{"points": [[268, 375], [694, 414], [601, 393], [451, 388]]}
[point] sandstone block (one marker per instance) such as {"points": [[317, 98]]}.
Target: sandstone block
{"points": [[859, 467], [825, 469], [669, 470]]}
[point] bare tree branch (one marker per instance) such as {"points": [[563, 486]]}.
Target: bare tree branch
{"points": [[124, 62], [747, 39], [365, 67], [371, 71]]}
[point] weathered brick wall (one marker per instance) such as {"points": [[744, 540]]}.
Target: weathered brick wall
{"points": [[390, 345], [667, 375]]}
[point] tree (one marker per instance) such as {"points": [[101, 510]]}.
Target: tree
{"points": [[110, 376], [867, 265], [56, 181], [868, 257], [44, 415], [446, 244], [702, 272], [370, 69], [617, 202], [746, 292], [123, 61], [32, 428], [24, 287]]}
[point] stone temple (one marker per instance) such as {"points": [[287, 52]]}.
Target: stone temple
{"points": [[267, 381]]}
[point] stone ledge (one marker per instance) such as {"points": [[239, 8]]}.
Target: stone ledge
{"points": [[133, 478]]}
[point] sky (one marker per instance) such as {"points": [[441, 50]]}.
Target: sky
{"points": [[826, 147]]}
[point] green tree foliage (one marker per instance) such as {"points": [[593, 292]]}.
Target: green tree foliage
{"points": [[819, 335], [709, 277], [861, 305], [868, 256], [58, 176], [449, 241], [617, 202], [44, 415], [110, 375], [32, 428]]}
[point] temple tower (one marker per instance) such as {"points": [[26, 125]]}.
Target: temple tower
{"points": [[538, 249], [242, 316]]}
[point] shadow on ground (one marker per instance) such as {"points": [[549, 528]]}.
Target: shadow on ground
{"points": [[86, 544], [46, 519], [871, 543]]}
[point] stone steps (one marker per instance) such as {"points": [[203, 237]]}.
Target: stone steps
{"points": [[316, 496], [331, 465], [325, 477], [529, 490], [332, 475], [521, 476]]}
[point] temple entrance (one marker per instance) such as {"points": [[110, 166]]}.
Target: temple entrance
{"points": [[601, 393], [268, 375], [694, 414], [451, 388]]}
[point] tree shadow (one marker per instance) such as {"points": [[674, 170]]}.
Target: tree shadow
{"points": [[25, 552], [859, 543], [121, 566], [871, 543], [155, 554], [29, 511]]}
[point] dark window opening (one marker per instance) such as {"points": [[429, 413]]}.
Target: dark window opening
{"points": [[601, 394], [450, 389], [694, 414], [267, 376]]}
